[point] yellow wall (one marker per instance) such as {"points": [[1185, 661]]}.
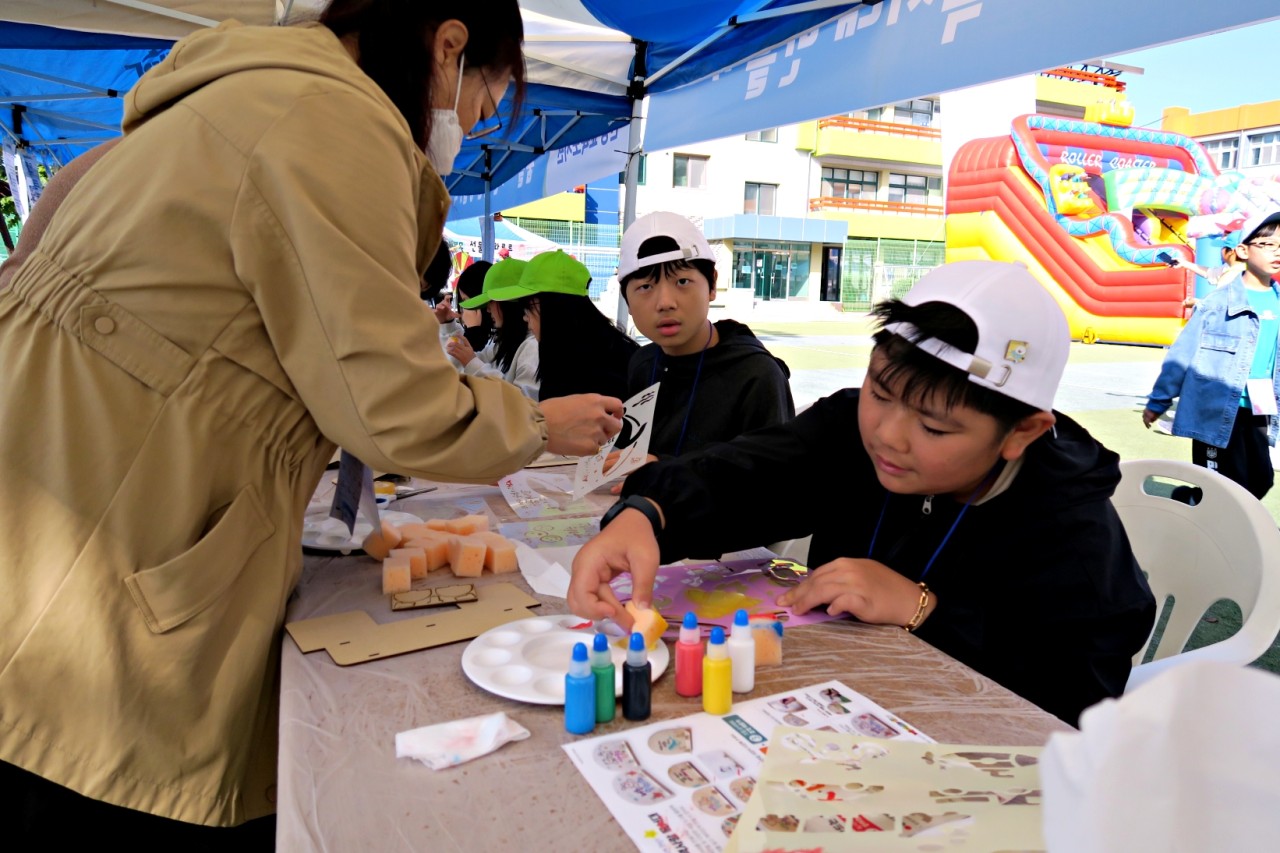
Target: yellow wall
{"points": [[567, 207], [1244, 117], [889, 147], [1057, 90]]}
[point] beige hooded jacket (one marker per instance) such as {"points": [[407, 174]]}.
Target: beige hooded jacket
{"points": [[223, 297]]}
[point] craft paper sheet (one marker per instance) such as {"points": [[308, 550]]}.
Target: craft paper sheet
{"points": [[715, 591], [538, 494], [682, 785], [832, 791], [632, 444], [551, 532]]}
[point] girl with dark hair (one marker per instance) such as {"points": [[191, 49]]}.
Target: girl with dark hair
{"points": [[511, 353], [579, 350], [216, 306], [476, 327]]}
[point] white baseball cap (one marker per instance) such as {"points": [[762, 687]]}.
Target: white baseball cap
{"points": [[1023, 337], [689, 240], [1255, 222]]}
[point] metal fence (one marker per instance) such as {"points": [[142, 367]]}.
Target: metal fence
{"points": [[876, 269]]}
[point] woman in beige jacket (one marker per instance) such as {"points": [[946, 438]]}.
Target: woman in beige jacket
{"points": [[224, 296]]}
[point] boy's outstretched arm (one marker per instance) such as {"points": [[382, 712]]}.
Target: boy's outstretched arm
{"points": [[628, 544], [868, 590]]}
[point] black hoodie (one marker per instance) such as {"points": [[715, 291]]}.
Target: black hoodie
{"points": [[741, 387], [1037, 587]]}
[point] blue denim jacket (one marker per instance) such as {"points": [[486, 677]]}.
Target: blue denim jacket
{"points": [[1208, 364]]}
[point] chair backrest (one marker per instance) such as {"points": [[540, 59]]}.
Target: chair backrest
{"points": [[1225, 547]]}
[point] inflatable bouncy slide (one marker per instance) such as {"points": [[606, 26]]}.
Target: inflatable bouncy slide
{"points": [[1095, 209]]}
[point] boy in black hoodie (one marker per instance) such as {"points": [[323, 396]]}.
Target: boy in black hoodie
{"points": [[945, 496], [718, 380]]}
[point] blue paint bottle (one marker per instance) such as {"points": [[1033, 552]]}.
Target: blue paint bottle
{"points": [[580, 694]]}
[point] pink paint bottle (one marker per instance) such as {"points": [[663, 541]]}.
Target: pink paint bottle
{"points": [[689, 658]]}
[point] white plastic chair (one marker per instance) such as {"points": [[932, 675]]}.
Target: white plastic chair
{"points": [[1225, 547]]}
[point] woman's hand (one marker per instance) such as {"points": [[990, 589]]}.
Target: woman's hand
{"points": [[460, 348], [866, 589], [580, 424]]}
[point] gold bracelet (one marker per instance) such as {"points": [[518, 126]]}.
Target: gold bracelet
{"points": [[919, 617]]}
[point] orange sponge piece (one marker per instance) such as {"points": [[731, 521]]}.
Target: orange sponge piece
{"points": [[767, 632], [378, 543], [648, 622]]}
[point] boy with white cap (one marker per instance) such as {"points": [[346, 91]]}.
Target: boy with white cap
{"points": [[1223, 366], [945, 496], [718, 380]]}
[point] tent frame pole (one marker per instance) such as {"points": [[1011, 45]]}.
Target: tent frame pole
{"points": [[635, 149]]}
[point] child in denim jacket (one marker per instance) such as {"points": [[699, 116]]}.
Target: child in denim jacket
{"points": [[1223, 366]]}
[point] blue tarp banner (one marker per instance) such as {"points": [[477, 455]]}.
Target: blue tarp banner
{"points": [[901, 49]]}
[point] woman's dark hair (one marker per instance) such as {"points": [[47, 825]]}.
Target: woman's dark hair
{"points": [[923, 376], [437, 275], [662, 245], [468, 285], [579, 350], [510, 335], [394, 38]]}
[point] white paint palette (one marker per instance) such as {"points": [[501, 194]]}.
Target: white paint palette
{"points": [[527, 660]]}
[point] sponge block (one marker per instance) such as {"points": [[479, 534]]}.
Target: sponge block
{"points": [[648, 622], [767, 632]]}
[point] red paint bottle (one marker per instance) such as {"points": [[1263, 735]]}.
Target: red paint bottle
{"points": [[689, 658]]}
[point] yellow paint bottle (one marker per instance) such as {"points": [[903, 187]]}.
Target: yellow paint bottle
{"points": [[717, 675]]}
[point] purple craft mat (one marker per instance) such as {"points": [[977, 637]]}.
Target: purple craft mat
{"points": [[681, 588]]}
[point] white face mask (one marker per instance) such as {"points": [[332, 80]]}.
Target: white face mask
{"points": [[446, 132]]}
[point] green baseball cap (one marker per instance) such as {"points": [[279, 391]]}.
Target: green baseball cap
{"points": [[502, 274], [549, 272]]}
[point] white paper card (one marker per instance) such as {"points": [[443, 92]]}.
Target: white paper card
{"points": [[632, 443]]}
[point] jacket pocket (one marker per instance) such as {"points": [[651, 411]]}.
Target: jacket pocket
{"points": [[1219, 343], [173, 592], [134, 347]]}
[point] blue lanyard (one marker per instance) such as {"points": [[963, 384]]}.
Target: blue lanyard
{"points": [[653, 375], [929, 565]]}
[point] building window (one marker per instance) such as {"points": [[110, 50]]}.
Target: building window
{"points": [[919, 112], [644, 168], [770, 135], [849, 183], [1224, 153], [913, 189], [690, 171], [760, 199], [1264, 148]]}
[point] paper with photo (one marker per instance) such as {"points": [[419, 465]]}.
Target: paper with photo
{"points": [[632, 443], [839, 791], [681, 785]]}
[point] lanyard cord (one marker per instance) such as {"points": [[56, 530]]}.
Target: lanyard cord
{"points": [[653, 375], [929, 565]]}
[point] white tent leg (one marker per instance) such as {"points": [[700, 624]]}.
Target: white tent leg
{"points": [[634, 150]]}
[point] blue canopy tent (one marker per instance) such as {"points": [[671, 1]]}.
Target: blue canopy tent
{"points": [[60, 90], [703, 69]]}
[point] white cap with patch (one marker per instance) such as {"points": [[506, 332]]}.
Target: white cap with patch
{"points": [[1255, 222], [688, 238], [1023, 337]]}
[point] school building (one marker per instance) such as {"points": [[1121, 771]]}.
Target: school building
{"points": [[846, 209], [1244, 138]]}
